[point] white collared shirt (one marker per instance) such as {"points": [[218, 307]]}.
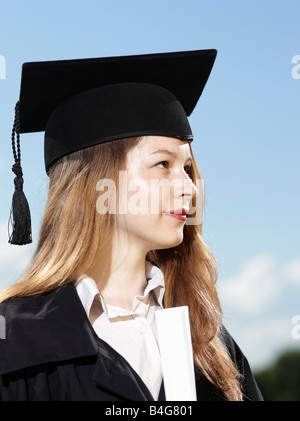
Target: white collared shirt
{"points": [[132, 333]]}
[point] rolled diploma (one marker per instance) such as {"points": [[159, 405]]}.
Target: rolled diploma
{"points": [[174, 338]]}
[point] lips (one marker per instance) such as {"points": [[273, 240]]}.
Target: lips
{"points": [[179, 214]]}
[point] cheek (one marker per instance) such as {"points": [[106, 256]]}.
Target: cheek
{"points": [[140, 197], [139, 194]]}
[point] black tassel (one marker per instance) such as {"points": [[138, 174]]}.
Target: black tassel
{"points": [[20, 218]]}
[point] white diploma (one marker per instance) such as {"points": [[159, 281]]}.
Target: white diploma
{"points": [[174, 338]]}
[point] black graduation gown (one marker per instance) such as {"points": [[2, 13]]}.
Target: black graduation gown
{"points": [[51, 353]]}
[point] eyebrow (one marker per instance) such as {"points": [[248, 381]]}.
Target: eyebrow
{"points": [[166, 151]]}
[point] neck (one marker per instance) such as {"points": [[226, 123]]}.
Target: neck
{"points": [[121, 276]]}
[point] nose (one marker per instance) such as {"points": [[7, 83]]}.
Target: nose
{"points": [[184, 187]]}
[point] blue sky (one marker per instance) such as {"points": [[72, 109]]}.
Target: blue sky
{"points": [[246, 129]]}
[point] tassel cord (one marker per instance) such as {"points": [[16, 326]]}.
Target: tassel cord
{"points": [[20, 218]]}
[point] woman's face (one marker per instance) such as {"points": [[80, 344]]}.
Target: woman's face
{"points": [[155, 193]]}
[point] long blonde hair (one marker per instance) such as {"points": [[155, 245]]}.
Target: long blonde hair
{"points": [[72, 233]]}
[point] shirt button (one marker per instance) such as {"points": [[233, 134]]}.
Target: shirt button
{"points": [[141, 329]]}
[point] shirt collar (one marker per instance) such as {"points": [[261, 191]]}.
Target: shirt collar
{"points": [[87, 289], [156, 282]]}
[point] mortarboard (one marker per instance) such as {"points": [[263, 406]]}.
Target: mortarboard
{"points": [[81, 103]]}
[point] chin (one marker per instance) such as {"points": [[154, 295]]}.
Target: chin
{"points": [[171, 242]]}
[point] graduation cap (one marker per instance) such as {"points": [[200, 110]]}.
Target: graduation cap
{"points": [[85, 102]]}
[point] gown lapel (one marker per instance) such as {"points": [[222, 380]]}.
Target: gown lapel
{"points": [[113, 373]]}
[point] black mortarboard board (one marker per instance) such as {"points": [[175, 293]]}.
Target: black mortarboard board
{"points": [[81, 103]]}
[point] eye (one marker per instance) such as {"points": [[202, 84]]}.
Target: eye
{"points": [[188, 169], [165, 164]]}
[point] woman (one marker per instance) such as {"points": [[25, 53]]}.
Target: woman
{"points": [[81, 320]]}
